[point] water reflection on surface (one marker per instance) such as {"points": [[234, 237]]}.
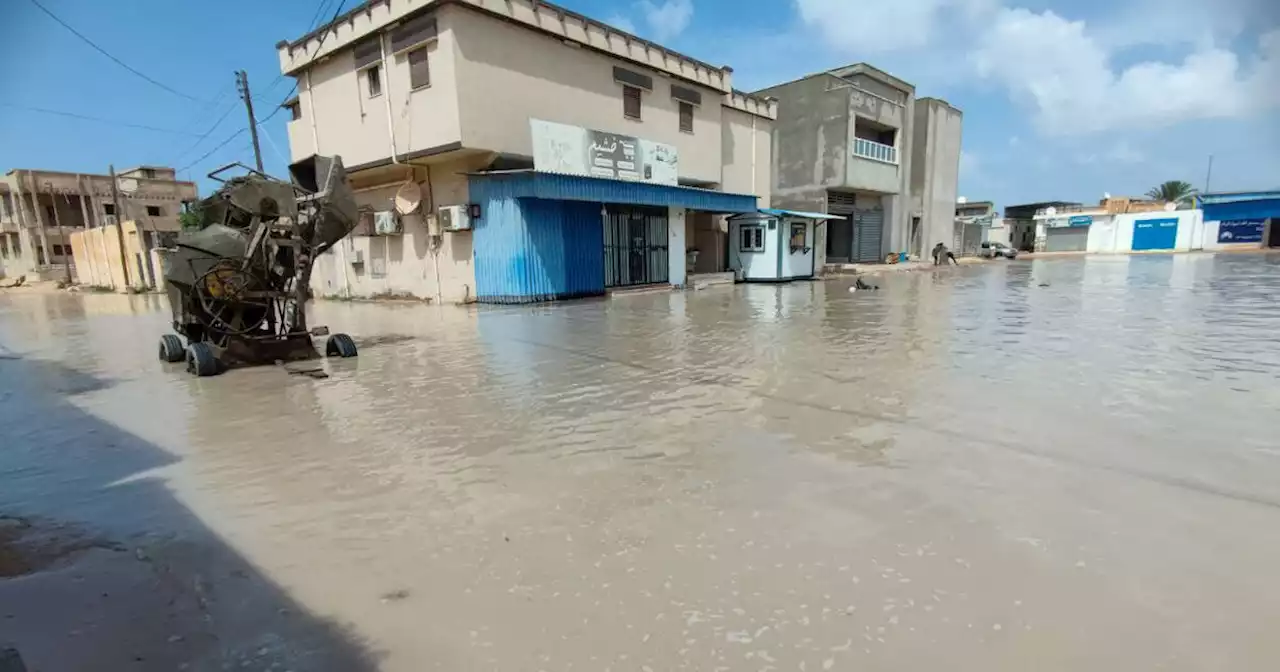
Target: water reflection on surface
{"points": [[1066, 464]]}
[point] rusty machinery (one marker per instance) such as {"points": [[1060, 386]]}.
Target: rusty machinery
{"points": [[238, 284]]}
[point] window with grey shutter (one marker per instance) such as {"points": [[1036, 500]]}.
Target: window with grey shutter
{"points": [[630, 102], [419, 69], [367, 51], [686, 117], [373, 76], [413, 32]]}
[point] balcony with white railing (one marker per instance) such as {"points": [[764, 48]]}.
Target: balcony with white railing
{"points": [[869, 149]]}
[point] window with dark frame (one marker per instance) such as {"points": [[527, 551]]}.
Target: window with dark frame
{"points": [[798, 230], [686, 117], [751, 238], [630, 102], [149, 173], [419, 69], [295, 111], [154, 211], [373, 77], [108, 209]]}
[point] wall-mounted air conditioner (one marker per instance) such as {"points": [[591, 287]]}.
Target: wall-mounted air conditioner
{"points": [[454, 218], [357, 257], [387, 223]]}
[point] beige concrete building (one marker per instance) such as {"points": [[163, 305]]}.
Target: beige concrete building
{"points": [[430, 92], [100, 261], [40, 209]]}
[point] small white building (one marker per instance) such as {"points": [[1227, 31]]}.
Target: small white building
{"points": [[1095, 230], [774, 245]]}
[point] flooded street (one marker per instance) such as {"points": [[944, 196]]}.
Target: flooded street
{"points": [[1059, 464]]}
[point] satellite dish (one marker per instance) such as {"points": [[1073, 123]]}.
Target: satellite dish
{"points": [[1170, 207], [127, 184], [962, 199], [1051, 211], [408, 198], [1106, 194]]}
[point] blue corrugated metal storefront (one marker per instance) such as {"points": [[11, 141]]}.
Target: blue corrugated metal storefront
{"points": [[540, 236]]}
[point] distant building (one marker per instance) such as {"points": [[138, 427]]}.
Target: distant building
{"points": [[977, 222], [1020, 220], [1241, 219], [39, 209], [935, 176], [847, 144], [570, 157]]}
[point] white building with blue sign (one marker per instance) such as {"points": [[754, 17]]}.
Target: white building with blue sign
{"points": [[1241, 219]]}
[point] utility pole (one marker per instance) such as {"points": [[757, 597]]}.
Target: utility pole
{"points": [[1208, 174], [115, 200], [242, 85]]}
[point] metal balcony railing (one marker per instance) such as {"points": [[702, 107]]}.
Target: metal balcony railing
{"points": [[869, 149]]}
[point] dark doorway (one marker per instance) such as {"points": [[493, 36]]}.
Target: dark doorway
{"points": [[635, 246], [1273, 232], [839, 240]]}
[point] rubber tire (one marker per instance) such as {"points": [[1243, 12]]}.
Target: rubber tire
{"points": [[201, 360], [171, 349], [340, 345]]}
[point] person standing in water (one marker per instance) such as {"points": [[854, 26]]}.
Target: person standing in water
{"points": [[941, 255]]}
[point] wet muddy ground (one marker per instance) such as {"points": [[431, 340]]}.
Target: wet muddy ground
{"points": [[1056, 465]]}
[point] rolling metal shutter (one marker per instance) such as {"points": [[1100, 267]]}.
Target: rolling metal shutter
{"points": [[867, 235], [1073, 239]]}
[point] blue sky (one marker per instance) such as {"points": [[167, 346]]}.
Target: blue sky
{"points": [[1061, 100]]}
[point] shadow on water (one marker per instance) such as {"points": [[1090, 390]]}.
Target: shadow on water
{"points": [[155, 588]]}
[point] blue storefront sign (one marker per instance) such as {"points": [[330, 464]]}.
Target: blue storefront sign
{"points": [[1080, 220], [1155, 234], [1241, 231]]}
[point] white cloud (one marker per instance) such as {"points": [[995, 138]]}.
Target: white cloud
{"points": [[1066, 76], [622, 23], [869, 26], [668, 19]]}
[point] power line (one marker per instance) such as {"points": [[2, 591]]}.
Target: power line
{"points": [[113, 122], [207, 133], [209, 153], [104, 52], [319, 44]]}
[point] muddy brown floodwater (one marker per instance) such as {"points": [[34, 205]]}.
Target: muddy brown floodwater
{"points": [[1054, 465]]}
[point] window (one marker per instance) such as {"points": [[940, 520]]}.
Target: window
{"points": [[630, 102], [39, 255], [149, 173], [798, 230], [751, 238], [58, 250], [373, 76], [419, 69], [154, 211], [49, 215], [109, 208], [295, 110], [686, 117], [4, 245]]}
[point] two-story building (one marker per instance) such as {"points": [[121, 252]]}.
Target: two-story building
{"points": [[518, 151], [40, 209], [842, 147]]}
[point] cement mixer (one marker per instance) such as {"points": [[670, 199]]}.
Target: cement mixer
{"points": [[238, 285]]}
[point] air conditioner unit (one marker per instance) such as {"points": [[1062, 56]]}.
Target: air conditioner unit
{"points": [[357, 257], [454, 218], [386, 223]]}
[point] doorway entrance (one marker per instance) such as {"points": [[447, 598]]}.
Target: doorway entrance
{"points": [[635, 246], [1273, 232]]}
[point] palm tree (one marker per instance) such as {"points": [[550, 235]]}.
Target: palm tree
{"points": [[1173, 191]]}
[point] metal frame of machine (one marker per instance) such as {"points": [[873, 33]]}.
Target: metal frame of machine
{"points": [[238, 286]]}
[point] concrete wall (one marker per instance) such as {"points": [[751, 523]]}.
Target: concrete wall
{"points": [[810, 142], [98, 260], [1208, 238], [334, 98], [410, 264], [509, 74], [1112, 234], [935, 171], [746, 146]]}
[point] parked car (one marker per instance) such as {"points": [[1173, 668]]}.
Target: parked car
{"points": [[996, 250]]}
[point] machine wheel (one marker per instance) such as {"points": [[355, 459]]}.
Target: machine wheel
{"points": [[171, 349], [340, 345], [200, 360]]}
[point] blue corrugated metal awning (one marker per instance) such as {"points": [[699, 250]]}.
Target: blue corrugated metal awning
{"points": [[556, 187], [776, 212], [1237, 197]]}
